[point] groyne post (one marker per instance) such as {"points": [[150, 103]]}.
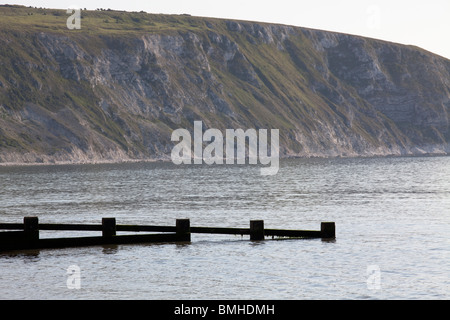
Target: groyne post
{"points": [[256, 230], [183, 229], [328, 230], [31, 228], [108, 227]]}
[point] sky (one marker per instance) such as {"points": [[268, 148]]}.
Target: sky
{"points": [[425, 24]]}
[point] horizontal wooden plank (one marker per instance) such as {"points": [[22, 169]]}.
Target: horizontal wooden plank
{"points": [[11, 235], [213, 230], [69, 227], [11, 226], [91, 241], [293, 233], [150, 228], [88, 227], [136, 228]]}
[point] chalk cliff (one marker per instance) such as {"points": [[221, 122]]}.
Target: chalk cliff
{"points": [[115, 89]]}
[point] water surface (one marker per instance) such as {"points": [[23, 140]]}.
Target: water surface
{"points": [[391, 214]]}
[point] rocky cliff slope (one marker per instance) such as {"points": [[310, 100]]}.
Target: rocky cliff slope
{"points": [[115, 89]]}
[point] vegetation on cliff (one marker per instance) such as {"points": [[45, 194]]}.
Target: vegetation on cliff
{"points": [[115, 89]]}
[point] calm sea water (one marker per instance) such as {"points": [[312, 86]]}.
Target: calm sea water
{"points": [[392, 224]]}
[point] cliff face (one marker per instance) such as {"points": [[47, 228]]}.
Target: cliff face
{"points": [[116, 89]]}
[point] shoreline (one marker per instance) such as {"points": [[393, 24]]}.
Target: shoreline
{"points": [[62, 163], [167, 160]]}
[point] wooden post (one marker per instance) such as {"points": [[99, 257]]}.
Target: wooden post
{"points": [[256, 230], [31, 228], [108, 227], [183, 229], [328, 230]]}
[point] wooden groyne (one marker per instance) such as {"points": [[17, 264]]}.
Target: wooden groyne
{"points": [[26, 234]]}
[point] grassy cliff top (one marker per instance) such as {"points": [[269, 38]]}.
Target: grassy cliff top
{"points": [[102, 21]]}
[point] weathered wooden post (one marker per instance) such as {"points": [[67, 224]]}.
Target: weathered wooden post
{"points": [[108, 227], [31, 228], [328, 230], [256, 230], [183, 227]]}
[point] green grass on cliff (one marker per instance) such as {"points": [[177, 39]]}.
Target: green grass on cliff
{"points": [[284, 76], [104, 21], [293, 88]]}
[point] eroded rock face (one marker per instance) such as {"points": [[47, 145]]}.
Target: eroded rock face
{"points": [[115, 98], [403, 83]]}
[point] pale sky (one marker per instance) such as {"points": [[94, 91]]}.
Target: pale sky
{"points": [[422, 23]]}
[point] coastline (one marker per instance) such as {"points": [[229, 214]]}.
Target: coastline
{"points": [[167, 159]]}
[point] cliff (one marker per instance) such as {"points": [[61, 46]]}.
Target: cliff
{"points": [[115, 89]]}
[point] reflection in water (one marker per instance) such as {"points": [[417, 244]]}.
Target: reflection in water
{"points": [[25, 255], [110, 249]]}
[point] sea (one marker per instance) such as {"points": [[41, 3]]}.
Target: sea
{"points": [[392, 218]]}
